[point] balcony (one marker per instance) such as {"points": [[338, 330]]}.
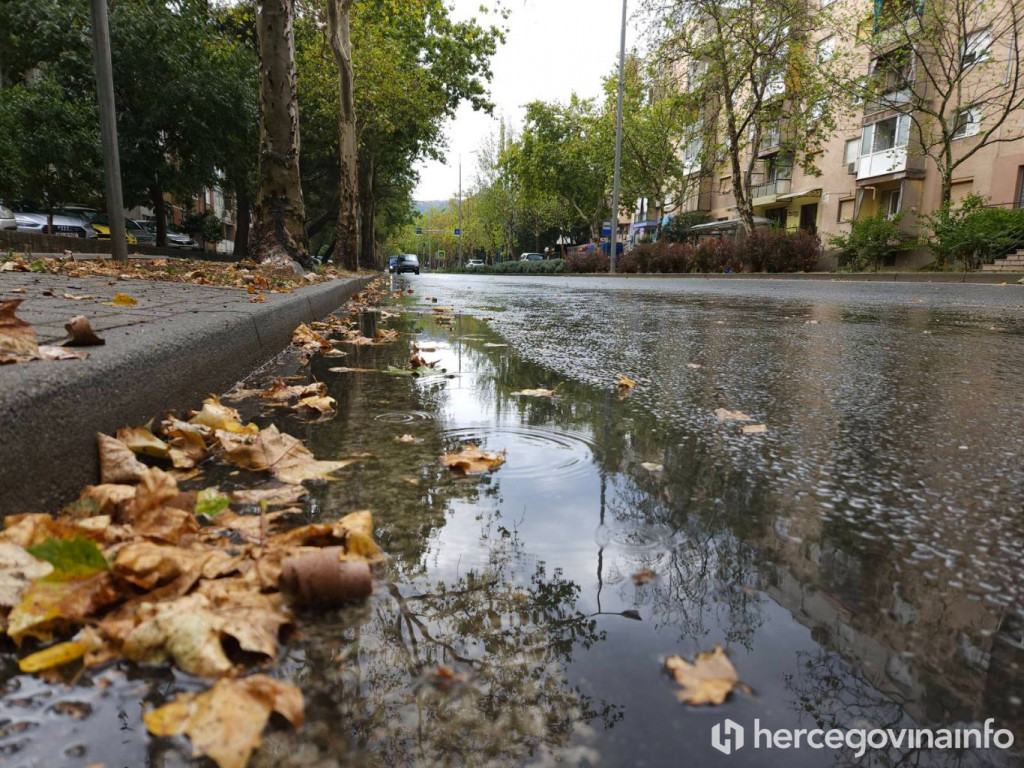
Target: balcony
{"points": [[881, 163], [766, 194]]}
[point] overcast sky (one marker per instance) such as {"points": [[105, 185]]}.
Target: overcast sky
{"points": [[554, 47]]}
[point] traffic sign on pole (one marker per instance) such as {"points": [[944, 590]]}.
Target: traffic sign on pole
{"points": [[458, 233], [419, 230]]}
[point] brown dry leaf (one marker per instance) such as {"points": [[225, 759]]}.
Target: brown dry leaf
{"points": [[217, 416], [259, 299], [80, 333], [150, 565], [117, 461], [645, 576], [281, 393], [316, 406], [353, 370], [17, 339], [709, 680], [650, 466], [226, 723], [724, 414], [141, 440], [188, 446], [121, 300], [537, 392], [471, 460], [625, 384], [280, 495], [108, 497], [308, 339], [410, 439], [50, 604], [754, 429], [60, 353], [74, 297], [386, 335], [284, 456], [18, 569]]}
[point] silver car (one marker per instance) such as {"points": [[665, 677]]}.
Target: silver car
{"points": [[7, 220], [63, 224]]}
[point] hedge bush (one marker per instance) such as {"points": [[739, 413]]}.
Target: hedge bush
{"points": [[974, 234], [548, 267], [765, 250]]}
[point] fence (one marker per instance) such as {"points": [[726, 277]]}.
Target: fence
{"points": [[37, 243]]}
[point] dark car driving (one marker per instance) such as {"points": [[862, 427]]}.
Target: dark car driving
{"points": [[408, 263]]}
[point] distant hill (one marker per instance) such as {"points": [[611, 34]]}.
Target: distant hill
{"points": [[423, 205]]}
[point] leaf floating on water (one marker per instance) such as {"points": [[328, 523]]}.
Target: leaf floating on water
{"points": [[644, 577], [217, 416], [754, 429], [316, 406], [81, 334], [281, 393], [471, 460], [121, 300], [226, 722], [284, 456], [724, 414], [342, 369], [410, 439], [625, 384], [652, 467], [386, 335], [709, 680], [538, 392]]}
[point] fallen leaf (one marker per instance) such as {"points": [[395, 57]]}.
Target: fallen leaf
{"points": [[226, 722], [80, 333], [73, 297], [217, 416], [71, 558], [55, 601], [709, 680], [316, 406], [353, 370], [258, 299], [85, 642], [625, 384], [141, 440], [410, 439], [121, 300], [471, 460], [211, 502], [18, 569], [280, 495], [281, 393], [386, 335], [754, 429], [644, 577], [60, 353], [284, 456], [650, 466], [117, 462], [694, 366], [724, 414], [538, 392], [17, 339]]}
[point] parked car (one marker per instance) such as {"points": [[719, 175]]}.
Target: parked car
{"points": [[63, 224], [393, 263], [142, 235], [101, 224], [175, 239], [408, 263], [7, 220], [472, 263], [532, 257]]}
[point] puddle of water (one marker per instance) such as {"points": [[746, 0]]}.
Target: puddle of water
{"points": [[507, 629]]}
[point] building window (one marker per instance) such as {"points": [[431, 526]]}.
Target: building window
{"points": [[852, 152], [893, 77], [846, 209], [886, 135], [827, 49], [889, 202], [725, 185], [967, 123], [976, 47]]}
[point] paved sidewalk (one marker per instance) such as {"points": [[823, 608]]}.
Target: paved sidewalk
{"points": [[177, 345]]}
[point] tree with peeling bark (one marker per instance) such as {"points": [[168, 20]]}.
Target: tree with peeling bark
{"points": [[346, 236], [279, 233]]}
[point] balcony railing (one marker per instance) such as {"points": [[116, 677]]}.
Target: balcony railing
{"points": [[771, 188], [880, 163]]}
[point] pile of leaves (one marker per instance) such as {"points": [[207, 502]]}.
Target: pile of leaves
{"points": [[246, 275], [141, 569]]}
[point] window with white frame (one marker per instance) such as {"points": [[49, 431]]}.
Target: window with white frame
{"points": [[967, 123], [976, 47], [885, 135], [852, 151], [827, 49]]}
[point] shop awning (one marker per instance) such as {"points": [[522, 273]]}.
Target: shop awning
{"points": [[727, 225], [811, 192]]}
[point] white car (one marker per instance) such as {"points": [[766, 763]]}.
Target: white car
{"points": [[474, 263], [7, 220], [532, 257]]}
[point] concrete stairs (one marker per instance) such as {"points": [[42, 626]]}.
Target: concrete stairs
{"points": [[1012, 263]]}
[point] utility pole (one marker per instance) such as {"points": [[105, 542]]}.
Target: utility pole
{"points": [[614, 240], [108, 129], [460, 211], [429, 262]]}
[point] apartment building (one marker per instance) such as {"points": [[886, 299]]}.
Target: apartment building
{"points": [[935, 77]]}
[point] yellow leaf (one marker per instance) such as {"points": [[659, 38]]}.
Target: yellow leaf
{"points": [[709, 680], [754, 429], [221, 417], [48, 605], [226, 722], [724, 414], [117, 461], [121, 300], [473, 461], [141, 440], [625, 384], [284, 456], [55, 656]]}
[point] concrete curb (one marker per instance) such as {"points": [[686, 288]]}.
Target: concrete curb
{"points": [[48, 420]]}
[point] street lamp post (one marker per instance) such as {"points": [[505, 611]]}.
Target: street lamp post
{"points": [[460, 211], [108, 129], [614, 240]]}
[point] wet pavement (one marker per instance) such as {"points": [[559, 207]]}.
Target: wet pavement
{"points": [[860, 561]]}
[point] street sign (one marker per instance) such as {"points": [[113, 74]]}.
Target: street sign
{"points": [[606, 229], [441, 254], [458, 232], [419, 230]]}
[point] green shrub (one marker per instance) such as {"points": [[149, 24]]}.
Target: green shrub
{"points": [[872, 243], [974, 234], [205, 227]]}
